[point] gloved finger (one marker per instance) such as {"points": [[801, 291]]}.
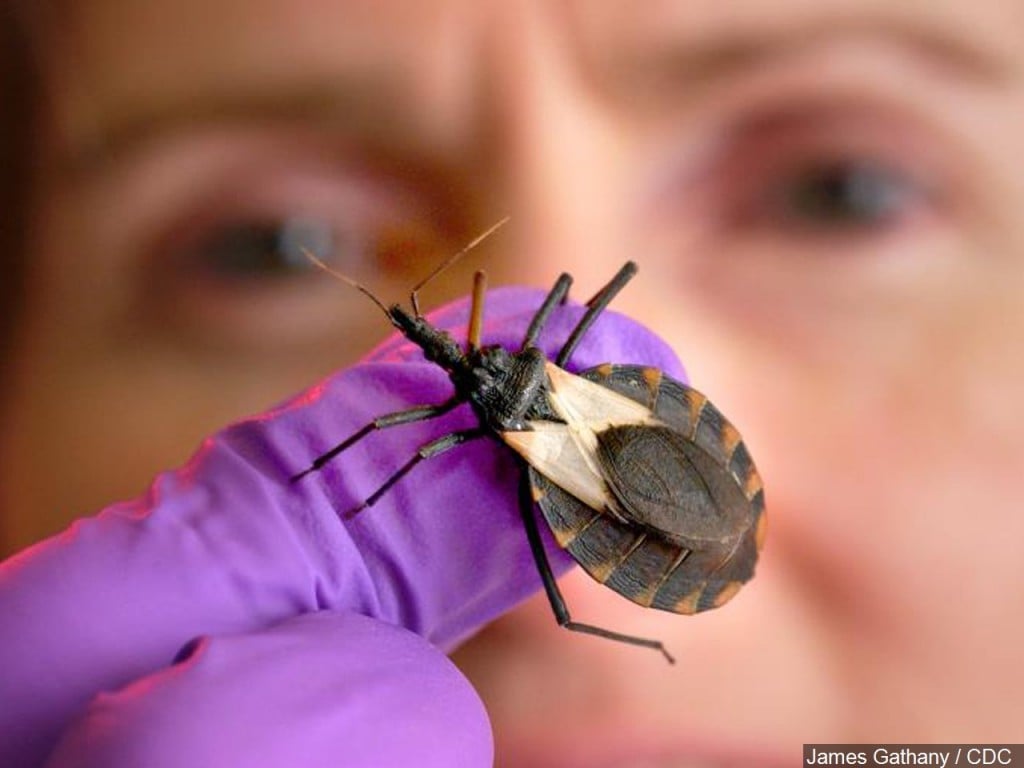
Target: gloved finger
{"points": [[227, 544], [454, 554], [323, 689]]}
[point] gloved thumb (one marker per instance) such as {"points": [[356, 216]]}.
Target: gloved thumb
{"points": [[322, 689]]}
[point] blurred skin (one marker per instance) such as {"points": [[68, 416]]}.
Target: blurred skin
{"points": [[824, 199]]}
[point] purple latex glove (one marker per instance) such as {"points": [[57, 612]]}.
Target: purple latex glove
{"points": [[229, 617]]}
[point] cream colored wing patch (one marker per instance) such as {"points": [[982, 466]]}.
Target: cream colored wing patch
{"points": [[564, 453], [551, 450], [581, 402]]}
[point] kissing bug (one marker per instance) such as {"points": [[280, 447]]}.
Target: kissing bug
{"points": [[641, 479]]}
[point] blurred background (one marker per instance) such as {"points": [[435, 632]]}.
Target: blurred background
{"points": [[824, 200]]}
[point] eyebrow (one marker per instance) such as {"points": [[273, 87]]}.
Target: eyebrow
{"points": [[373, 110], [376, 112], [711, 61]]}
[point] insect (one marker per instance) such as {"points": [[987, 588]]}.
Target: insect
{"points": [[640, 478]]}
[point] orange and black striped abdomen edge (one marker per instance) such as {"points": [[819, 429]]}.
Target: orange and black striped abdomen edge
{"points": [[668, 572]]}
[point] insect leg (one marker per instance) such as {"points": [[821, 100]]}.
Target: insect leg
{"points": [[558, 605], [594, 308], [427, 451], [408, 416], [557, 296]]}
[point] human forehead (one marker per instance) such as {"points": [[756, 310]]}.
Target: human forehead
{"points": [[139, 62], [126, 63], [619, 23]]}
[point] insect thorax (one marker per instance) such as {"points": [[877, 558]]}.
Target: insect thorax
{"points": [[506, 390]]}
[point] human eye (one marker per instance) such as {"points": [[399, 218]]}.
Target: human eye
{"points": [[842, 194], [235, 268], [275, 247], [837, 179], [271, 248], [797, 219]]}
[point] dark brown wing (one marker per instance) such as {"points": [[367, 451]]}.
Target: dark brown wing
{"points": [[666, 482]]}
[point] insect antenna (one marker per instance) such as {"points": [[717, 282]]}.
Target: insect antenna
{"points": [[414, 294], [476, 311], [319, 263]]}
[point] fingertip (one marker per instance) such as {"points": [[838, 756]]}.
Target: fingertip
{"points": [[323, 689]]}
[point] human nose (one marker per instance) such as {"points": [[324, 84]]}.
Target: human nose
{"points": [[563, 157]]}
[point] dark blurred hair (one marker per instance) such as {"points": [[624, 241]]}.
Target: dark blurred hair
{"points": [[20, 114]]}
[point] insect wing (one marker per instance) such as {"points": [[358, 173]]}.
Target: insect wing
{"points": [[567, 453], [552, 450], [666, 482], [585, 404], [651, 567]]}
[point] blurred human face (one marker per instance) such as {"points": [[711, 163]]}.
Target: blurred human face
{"points": [[824, 202]]}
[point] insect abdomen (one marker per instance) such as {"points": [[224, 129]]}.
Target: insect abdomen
{"points": [[672, 556]]}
